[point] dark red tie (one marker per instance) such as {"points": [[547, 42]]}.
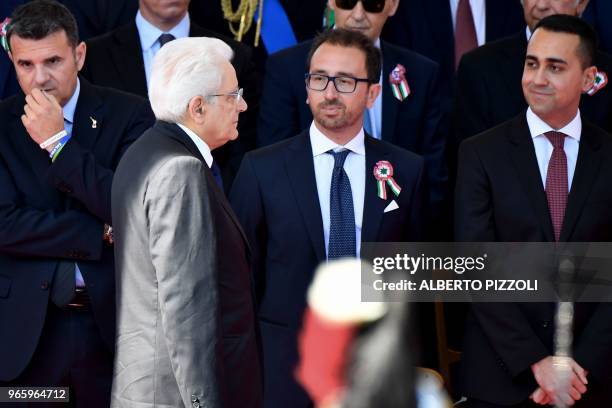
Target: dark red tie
{"points": [[556, 181], [465, 32]]}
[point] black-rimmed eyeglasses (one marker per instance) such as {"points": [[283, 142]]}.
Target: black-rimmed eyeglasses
{"points": [[343, 84]]}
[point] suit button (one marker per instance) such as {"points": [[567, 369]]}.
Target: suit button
{"points": [[545, 325], [195, 402], [44, 285]]}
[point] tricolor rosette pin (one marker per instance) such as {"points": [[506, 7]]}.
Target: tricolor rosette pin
{"points": [[383, 172], [399, 85], [601, 80], [3, 30]]}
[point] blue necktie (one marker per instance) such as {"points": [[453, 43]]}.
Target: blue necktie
{"points": [[342, 217], [165, 38], [216, 172]]}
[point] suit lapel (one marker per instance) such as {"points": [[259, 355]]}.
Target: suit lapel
{"points": [[526, 165], [390, 105], [587, 168], [127, 57], [88, 116], [300, 169], [179, 135], [373, 206]]}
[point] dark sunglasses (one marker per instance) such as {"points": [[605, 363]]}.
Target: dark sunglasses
{"points": [[370, 6]]}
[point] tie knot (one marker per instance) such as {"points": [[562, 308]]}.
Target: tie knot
{"points": [[339, 157], [556, 138], [165, 38]]}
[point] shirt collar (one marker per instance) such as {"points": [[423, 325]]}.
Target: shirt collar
{"points": [[322, 144], [149, 34], [537, 127], [70, 106], [200, 144], [528, 33]]}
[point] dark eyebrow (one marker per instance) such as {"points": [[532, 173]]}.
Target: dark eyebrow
{"points": [[549, 60], [54, 57], [339, 74]]}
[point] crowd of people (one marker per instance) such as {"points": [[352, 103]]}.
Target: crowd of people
{"points": [[168, 189]]}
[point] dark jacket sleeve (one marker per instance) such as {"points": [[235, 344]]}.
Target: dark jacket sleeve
{"points": [[77, 173], [37, 232]]}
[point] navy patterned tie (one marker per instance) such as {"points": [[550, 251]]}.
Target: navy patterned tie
{"points": [[165, 38], [342, 215], [216, 172]]}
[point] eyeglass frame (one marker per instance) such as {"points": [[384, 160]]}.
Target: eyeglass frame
{"points": [[238, 94], [333, 79]]}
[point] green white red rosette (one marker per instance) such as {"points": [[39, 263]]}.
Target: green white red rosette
{"points": [[399, 85], [601, 80], [383, 172], [3, 29]]}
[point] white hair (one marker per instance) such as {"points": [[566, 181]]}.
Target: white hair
{"points": [[185, 68]]}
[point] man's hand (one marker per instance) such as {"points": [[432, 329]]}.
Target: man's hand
{"points": [[43, 116], [561, 380]]}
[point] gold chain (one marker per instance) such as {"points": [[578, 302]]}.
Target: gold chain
{"points": [[243, 16]]}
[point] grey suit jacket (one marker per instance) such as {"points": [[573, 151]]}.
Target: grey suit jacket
{"points": [[186, 333]]}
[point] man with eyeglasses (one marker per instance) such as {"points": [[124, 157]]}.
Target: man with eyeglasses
{"points": [[186, 328], [315, 197], [407, 119]]}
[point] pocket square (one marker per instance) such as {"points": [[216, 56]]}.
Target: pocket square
{"points": [[392, 206]]}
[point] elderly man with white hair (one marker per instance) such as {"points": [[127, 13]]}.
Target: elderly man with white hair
{"points": [[185, 325]]}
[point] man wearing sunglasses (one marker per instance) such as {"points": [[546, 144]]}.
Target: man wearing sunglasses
{"points": [[409, 121], [314, 197]]}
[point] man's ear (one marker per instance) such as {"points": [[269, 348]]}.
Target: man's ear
{"points": [[197, 108], [373, 92], [79, 52], [589, 78]]}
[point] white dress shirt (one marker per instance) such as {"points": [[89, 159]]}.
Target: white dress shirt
{"points": [[200, 144], [544, 148], [354, 166], [149, 36], [478, 13]]}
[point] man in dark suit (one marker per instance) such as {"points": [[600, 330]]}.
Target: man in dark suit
{"points": [[314, 197], [410, 122], [122, 59], [539, 177], [428, 27], [57, 311], [186, 321], [488, 91], [598, 14]]}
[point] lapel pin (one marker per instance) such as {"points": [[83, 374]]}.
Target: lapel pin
{"points": [[601, 80], [399, 85], [94, 123]]}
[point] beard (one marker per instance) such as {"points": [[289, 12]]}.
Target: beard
{"points": [[341, 120]]}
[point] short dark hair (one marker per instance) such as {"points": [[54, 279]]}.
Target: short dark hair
{"points": [[563, 23], [348, 38], [37, 19]]}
